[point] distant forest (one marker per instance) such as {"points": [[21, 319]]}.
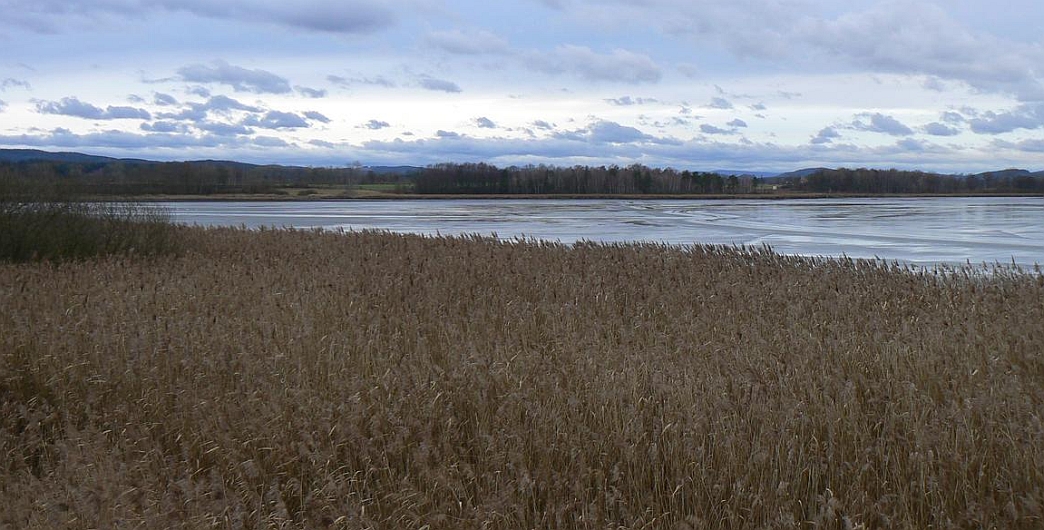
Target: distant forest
{"points": [[120, 178], [638, 179]]}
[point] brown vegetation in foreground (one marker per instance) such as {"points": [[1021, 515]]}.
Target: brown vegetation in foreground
{"points": [[307, 380]]}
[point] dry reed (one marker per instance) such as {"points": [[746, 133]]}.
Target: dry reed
{"points": [[281, 379]]}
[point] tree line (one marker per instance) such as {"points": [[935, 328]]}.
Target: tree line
{"points": [[893, 181], [169, 178], [636, 179]]}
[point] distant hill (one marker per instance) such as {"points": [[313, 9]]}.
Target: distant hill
{"points": [[800, 173], [742, 173], [1008, 174], [35, 155]]}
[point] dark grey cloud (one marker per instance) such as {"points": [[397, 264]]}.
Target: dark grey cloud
{"points": [[541, 124], [881, 123], [376, 125], [439, 85], [485, 123], [313, 93], [269, 141], [275, 119], [316, 116], [613, 133], [758, 107], [826, 135], [1026, 116], [941, 129], [737, 124], [71, 106], [239, 78], [472, 43], [620, 65], [447, 135]]}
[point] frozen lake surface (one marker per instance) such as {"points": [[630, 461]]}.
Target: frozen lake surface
{"points": [[923, 231]]}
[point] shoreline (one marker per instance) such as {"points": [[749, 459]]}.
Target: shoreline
{"points": [[573, 197]]}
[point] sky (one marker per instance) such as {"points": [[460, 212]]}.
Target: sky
{"points": [[754, 85]]}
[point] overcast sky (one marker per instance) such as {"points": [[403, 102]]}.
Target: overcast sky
{"points": [[955, 85]]}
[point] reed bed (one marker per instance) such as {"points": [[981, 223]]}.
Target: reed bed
{"points": [[289, 379]]}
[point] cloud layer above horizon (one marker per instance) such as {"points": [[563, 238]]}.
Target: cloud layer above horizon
{"points": [[760, 85]]}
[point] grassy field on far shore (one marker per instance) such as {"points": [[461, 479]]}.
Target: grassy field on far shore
{"points": [[299, 379]]}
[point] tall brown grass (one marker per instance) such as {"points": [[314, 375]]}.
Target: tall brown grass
{"points": [[281, 379]]}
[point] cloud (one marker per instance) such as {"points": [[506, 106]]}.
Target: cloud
{"points": [[3, 105], [71, 106], [620, 66], [376, 125], [1026, 116], [710, 129], [224, 129], [222, 105], [825, 135], [313, 93], [164, 127], [447, 135], [922, 38], [12, 82], [719, 103], [240, 79], [346, 17], [316, 116], [164, 100], [541, 124], [473, 43], [952, 117], [881, 123], [485, 123], [275, 119], [940, 129], [346, 82], [737, 123], [613, 133], [439, 85], [627, 101]]}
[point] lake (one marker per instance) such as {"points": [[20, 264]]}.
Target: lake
{"points": [[919, 231]]}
